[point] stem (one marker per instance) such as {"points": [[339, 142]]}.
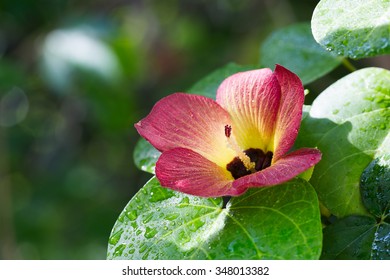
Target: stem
{"points": [[348, 65]]}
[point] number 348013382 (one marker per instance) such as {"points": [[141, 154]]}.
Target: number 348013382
{"points": [[231, 270]]}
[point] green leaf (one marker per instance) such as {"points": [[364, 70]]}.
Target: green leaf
{"points": [[354, 28], [208, 86], [349, 123], [295, 48], [280, 222], [375, 187], [145, 156], [356, 237], [381, 243]]}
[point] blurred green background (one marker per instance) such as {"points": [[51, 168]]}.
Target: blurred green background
{"points": [[74, 78]]}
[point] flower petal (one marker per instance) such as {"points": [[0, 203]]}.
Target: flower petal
{"points": [[188, 121], [290, 111], [281, 171], [252, 100], [186, 171]]}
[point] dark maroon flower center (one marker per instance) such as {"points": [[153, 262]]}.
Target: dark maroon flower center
{"points": [[262, 160]]}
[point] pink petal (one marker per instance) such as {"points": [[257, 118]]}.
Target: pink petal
{"points": [[281, 171], [188, 121], [186, 171], [290, 111], [252, 100]]}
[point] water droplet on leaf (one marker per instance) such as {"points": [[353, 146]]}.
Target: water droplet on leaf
{"points": [[132, 215], [184, 202], [150, 232], [115, 237]]}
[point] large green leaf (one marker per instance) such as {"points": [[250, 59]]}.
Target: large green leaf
{"points": [[357, 237], [362, 237], [208, 86], [349, 123], [354, 28], [280, 222], [295, 48]]}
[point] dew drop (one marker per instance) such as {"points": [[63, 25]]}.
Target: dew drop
{"points": [[171, 216], [119, 249], [131, 251], [146, 256], [184, 202], [150, 232], [142, 248], [160, 194], [184, 237], [195, 225], [115, 237], [147, 218], [132, 215], [121, 217]]}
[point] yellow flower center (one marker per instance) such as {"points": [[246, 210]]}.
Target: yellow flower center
{"points": [[248, 161]]}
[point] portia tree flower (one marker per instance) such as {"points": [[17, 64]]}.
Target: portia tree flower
{"points": [[221, 148]]}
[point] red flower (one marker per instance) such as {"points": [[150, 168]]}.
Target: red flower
{"points": [[223, 147]]}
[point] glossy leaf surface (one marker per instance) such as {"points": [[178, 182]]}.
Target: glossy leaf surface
{"points": [[354, 28], [349, 123], [357, 238], [280, 222], [375, 187]]}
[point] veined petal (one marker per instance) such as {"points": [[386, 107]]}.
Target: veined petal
{"points": [[252, 99], [188, 121], [290, 111], [281, 171], [186, 171]]}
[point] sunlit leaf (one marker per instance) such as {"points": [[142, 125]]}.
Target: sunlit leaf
{"points": [[295, 48], [349, 123], [354, 28], [280, 222]]}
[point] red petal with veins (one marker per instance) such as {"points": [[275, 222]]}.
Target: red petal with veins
{"points": [[290, 111], [188, 121], [252, 99], [186, 171]]}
